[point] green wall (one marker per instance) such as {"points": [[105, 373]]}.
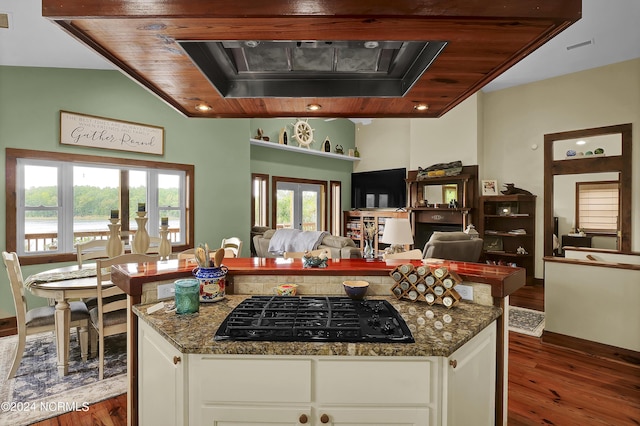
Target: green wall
{"points": [[276, 162], [30, 102]]}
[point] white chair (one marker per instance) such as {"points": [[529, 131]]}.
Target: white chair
{"points": [[38, 320], [234, 244], [187, 254], [409, 254], [94, 249], [109, 317]]}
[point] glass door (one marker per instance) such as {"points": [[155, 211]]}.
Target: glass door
{"points": [[299, 206]]}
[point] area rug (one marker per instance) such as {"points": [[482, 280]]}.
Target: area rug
{"points": [[37, 392], [526, 321]]}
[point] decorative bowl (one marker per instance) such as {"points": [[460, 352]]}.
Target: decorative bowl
{"points": [[355, 289], [314, 261]]}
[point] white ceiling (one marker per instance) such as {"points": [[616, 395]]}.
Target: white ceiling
{"points": [[611, 25]]}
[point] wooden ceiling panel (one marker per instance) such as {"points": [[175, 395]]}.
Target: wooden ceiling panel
{"points": [[484, 39]]}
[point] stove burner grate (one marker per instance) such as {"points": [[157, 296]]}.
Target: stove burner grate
{"points": [[314, 318]]}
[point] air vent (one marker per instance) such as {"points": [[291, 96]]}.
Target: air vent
{"points": [[253, 68]]}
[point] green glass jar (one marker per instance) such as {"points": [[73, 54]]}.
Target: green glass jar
{"points": [[187, 296]]}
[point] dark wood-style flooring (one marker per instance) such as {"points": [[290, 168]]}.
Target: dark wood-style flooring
{"points": [[547, 385]]}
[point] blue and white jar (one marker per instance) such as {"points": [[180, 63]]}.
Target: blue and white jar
{"points": [[212, 283]]}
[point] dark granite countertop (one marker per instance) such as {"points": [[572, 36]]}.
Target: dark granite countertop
{"points": [[438, 331]]}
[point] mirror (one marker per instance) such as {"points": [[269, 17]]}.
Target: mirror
{"points": [[575, 158], [440, 194]]}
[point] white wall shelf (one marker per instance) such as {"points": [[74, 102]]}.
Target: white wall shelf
{"points": [[300, 150]]}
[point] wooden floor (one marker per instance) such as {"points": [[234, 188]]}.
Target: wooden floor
{"points": [[110, 412], [529, 296], [547, 385]]}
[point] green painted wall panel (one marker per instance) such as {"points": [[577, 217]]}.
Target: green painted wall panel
{"points": [[30, 104]]}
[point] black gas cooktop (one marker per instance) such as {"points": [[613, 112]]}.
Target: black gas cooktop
{"points": [[314, 318]]}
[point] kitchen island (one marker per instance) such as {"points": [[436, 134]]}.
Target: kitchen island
{"points": [[492, 286], [446, 377]]}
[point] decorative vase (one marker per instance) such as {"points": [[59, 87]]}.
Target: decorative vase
{"points": [[165, 246], [368, 249], [114, 245], [212, 283], [141, 237]]}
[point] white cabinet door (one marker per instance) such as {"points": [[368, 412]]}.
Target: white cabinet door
{"points": [[391, 416], [160, 380], [471, 381], [253, 416]]}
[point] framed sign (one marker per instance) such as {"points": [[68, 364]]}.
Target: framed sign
{"points": [[489, 187], [97, 132]]}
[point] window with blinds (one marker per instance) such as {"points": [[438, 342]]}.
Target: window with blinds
{"points": [[597, 207]]}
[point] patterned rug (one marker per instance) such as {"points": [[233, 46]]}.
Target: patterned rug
{"points": [[526, 321], [37, 392]]}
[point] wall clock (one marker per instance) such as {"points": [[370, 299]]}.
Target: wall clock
{"points": [[303, 133]]}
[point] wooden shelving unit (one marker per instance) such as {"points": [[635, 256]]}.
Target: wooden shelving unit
{"points": [[506, 223], [355, 222], [425, 217]]}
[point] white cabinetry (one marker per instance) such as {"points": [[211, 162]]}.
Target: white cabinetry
{"points": [[469, 371], [161, 380], [319, 390]]}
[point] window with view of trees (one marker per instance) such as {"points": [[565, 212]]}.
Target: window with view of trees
{"points": [[299, 204], [61, 202]]}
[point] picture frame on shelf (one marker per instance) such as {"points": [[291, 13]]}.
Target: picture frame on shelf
{"points": [[449, 193], [492, 243], [490, 187]]}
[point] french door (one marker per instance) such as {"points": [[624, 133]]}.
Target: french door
{"points": [[299, 204]]}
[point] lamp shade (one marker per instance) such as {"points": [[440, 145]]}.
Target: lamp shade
{"points": [[397, 232]]}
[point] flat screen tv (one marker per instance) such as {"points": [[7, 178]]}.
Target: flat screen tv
{"points": [[379, 189]]}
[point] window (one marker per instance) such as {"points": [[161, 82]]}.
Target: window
{"points": [[597, 207], [60, 200], [335, 218], [259, 200]]}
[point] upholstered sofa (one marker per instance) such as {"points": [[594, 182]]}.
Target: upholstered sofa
{"points": [[340, 247], [453, 246]]}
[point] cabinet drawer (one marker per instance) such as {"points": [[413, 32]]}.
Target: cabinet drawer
{"points": [[364, 381], [250, 380]]}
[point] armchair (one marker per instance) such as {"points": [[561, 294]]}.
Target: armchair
{"points": [[453, 246]]}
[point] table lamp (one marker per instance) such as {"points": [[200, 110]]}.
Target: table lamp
{"points": [[397, 232]]}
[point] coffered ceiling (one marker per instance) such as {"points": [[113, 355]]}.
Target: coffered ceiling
{"points": [[353, 58]]}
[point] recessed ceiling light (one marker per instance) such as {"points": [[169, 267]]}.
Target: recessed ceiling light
{"points": [[203, 107], [314, 107], [581, 142], [371, 44], [251, 43], [421, 107]]}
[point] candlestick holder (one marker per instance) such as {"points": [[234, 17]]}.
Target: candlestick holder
{"points": [[141, 238], [114, 244], [165, 246]]}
